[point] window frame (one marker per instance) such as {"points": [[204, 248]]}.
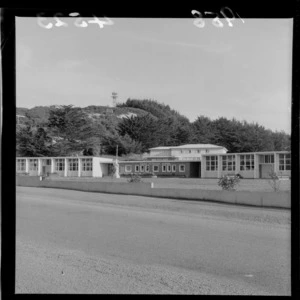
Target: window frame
{"points": [[283, 165], [268, 159], [173, 168], [21, 162], [169, 168], [60, 164], [154, 167], [36, 167], [211, 163], [228, 163], [73, 164], [87, 164], [247, 162], [126, 170], [180, 170]]}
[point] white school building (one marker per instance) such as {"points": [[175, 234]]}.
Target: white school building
{"points": [[248, 165], [194, 160], [78, 166]]}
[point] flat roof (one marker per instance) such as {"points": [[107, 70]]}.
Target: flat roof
{"points": [[62, 157], [195, 146], [157, 161], [245, 153]]}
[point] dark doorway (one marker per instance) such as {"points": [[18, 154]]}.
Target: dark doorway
{"points": [[195, 170]]}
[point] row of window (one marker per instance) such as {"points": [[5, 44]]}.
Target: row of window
{"points": [[246, 162], [87, 164], [194, 151], [155, 168], [164, 152]]}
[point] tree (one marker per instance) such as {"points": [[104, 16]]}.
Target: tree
{"points": [[202, 131], [126, 145], [144, 130], [70, 129], [33, 142]]}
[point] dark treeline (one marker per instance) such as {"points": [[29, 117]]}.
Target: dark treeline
{"points": [[68, 130]]}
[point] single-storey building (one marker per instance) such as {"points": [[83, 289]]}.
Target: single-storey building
{"points": [[73, 166], [161, 168], [248, 165], [203, 164]]}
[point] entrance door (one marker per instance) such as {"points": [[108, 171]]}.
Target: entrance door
{"points": [[265, 170], [46, 167], [195, 169]]}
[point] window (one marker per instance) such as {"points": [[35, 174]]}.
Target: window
{"points": [[190, 151], [21, 165], [198, 151], [147, 168], [87, 164], [137, 168], [207, 151], [164, 168], [169, 168], [211, 163], [48, 162], [267, 159], [228, 163], [181, 168], [142, 168], [73, 164], [60, 164], [285, 162], [33, 164], [173, 168], [155, 168], [247, 162], [128, 168]]}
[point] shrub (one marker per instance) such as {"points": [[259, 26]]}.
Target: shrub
{"points": [[134, 178], [274, 181], [229, 182]]}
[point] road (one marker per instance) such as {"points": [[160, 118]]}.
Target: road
{"points": [[78, 242]]}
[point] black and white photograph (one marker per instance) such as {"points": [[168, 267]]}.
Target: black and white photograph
{"points": [[153, 155]]}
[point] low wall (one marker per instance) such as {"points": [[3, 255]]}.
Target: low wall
{"points": [[262, 199]]}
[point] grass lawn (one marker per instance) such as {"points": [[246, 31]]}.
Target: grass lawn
{"points": [[197, 183]]}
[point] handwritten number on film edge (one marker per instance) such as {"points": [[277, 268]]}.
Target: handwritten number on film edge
{"points": [[200, 23], [79, 22], [41, 20], [216, 21], [59, 23]]}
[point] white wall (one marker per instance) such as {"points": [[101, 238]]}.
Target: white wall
{"points": [[97, 171], [104, 168], [162, 152]]}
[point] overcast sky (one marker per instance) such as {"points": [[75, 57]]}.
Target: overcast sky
{"points": [[242, 71]]}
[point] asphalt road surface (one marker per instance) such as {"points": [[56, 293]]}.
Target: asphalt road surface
{"points": [[78, 242]]}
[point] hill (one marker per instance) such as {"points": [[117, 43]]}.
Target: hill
{"points": [[39, 114], [133, 126]]}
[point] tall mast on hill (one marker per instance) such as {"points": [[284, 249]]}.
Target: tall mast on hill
{"points": [[114, 97]]}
